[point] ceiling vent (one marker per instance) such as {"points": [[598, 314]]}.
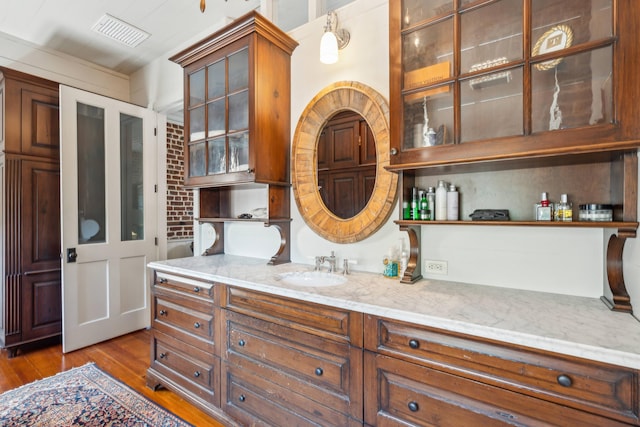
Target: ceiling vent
{"points": [[120, 31]]}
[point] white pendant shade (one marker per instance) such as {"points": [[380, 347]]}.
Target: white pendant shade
{"points": [[328, 48]]}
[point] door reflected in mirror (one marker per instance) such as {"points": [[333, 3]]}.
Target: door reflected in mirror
{"points": [[346, 166]]}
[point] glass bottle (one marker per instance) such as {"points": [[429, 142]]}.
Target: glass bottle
{"points": [[424, 206], [431, 201], [564, 209]]}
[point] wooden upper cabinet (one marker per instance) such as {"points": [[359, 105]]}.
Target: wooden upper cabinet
{"points": [[237, 102], [33, 128], [479, 80]]}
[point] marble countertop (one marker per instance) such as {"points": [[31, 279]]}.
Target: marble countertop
{"points": [[577, 326]]}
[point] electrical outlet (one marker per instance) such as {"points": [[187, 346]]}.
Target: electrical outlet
{"points": [[435, 267]]}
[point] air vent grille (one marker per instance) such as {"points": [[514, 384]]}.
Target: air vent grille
{"points": [[120, 31]]}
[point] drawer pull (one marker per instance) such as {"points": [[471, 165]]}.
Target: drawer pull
{"points": [[163, 312], [319, 372], [414, 344], [163, 280], [196, 374], [413, 406], [241, 398], [564, 380], [241, 343], [196, 325], [196, 289], [163, 355]]}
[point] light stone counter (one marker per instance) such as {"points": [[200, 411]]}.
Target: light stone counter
{"points": [[577, 326]]}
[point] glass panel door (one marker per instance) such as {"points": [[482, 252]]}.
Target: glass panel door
{"points": [[131, 178]]}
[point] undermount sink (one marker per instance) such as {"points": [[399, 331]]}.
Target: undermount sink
{"points": [[311, 278]]}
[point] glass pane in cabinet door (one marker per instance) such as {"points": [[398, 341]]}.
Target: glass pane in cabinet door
{"points": [[491, 105], [216, 118], [215, 80], [239, 111], [491, 35], [217, 156], [239, 152], [575, 92], [239, 71], [415, 11], [427, 55], [428, 118], [196, 159], [196, 88], [560, 24], [196, 124]]}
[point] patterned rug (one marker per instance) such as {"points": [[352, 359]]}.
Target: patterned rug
{"points": [[84, 396]]}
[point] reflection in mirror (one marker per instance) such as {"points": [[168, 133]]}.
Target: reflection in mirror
{"points": [[333, 103], [346, 163]]}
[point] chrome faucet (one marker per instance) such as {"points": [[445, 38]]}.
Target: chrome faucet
{"points": [[331, 260]]}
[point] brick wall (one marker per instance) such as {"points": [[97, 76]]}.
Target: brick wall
{"points": [[179, 200]]}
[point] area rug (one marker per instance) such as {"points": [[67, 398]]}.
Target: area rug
{"points": [[83, 396]]}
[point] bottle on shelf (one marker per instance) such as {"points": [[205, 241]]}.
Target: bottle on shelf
{"points": [[564, 209], [544, 208], [415, 204], [441, 201], [424, 206], [431, 201], [452, 203]]}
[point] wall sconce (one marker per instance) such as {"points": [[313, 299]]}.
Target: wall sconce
{"points": [[332, 40]]}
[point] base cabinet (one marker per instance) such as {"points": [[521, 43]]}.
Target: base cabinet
{"points": [[284, 364], [254, 358], [421, 376]]}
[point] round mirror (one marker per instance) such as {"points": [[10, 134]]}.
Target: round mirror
{"points": [[337, 100]]}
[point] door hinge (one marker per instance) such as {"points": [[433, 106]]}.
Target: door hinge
{"points": [[155, 131], [155, 188], [155, 241]]}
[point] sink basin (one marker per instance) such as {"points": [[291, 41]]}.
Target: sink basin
{"points": [[311, 278]]}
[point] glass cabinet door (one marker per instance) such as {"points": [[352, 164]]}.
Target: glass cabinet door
{"points": [[219, 116], [474, 70]]}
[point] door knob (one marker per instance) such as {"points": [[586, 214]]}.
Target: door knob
{"points": [[72, 255]]}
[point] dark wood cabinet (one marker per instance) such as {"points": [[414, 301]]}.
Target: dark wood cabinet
{"points": [[421, 376], [346, 164], [30, 300], [511, 98], [237, 122], [288, 361], [185, 344]]}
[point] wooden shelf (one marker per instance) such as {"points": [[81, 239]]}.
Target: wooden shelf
{"points": [[232, 219], [620, 225]]}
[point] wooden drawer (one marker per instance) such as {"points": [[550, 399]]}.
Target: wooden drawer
{"points": [[600, 388], [328, 322], [399, 393], [252, 398], [323, 371], [173, 313], [195, 288], [188, 368]]}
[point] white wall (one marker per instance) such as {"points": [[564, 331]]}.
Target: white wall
{"points": [[22, 56], [568, 261]]}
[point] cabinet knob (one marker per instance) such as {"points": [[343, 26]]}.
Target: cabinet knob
{"points": [[163, 280], [242, 398], [163, 355], [163, 312], [241, 343], [414, 344], [319, 372], [251, 170], [196, 289], [196, 374], [413, 406], [393, 151], [564, 380], [196, 325]]}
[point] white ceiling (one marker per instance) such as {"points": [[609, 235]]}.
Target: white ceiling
{"points": [[65, 26]]}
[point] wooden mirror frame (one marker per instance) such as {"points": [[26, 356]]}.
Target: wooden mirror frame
{"points": [[340, 96]]}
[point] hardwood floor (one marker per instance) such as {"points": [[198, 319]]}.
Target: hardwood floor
{"points": [[125, 358]]}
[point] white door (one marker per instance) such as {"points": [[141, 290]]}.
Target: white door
{"points": [[109, 205]]}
